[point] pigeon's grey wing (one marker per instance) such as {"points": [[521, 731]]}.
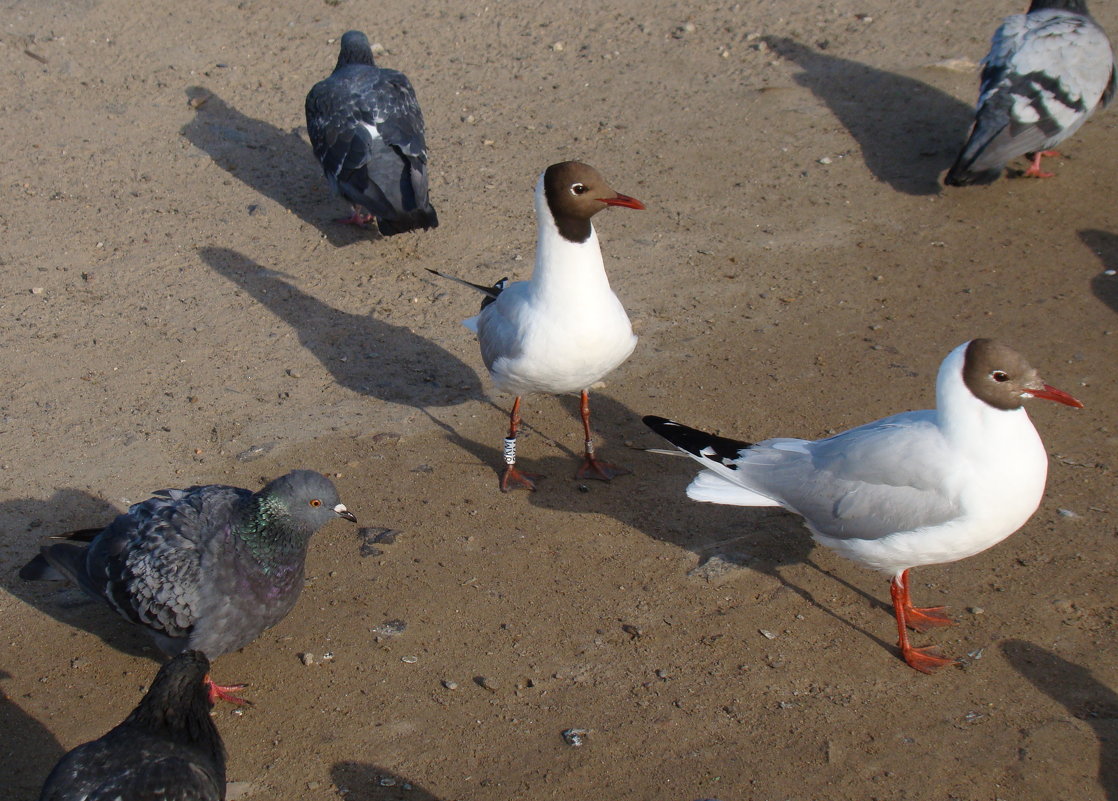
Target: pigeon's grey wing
{"points": [[392, 105], [341, 140], [878, 479], [134, 768], [978, 162], [1007, 40], [334, 129], [1041, 81], [79, 772], [396, 147], [96, 772], [163, 779], [148, 563]]}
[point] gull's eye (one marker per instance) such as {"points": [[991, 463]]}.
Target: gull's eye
{"points": [[579, 189], [315, 502], [999, 376]]}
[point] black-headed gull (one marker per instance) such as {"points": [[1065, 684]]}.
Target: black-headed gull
{"points": [[563, 329], [367, 132], [917, 488], [1046, 73]]}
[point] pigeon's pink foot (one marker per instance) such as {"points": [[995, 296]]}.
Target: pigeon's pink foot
{"points": [[358, 218], [220, 692], [1034, 170]]}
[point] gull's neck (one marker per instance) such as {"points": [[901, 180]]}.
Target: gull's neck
{"points": [[562, 265]]}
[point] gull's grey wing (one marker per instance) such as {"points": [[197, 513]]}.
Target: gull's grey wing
{"points": [[878, 479]]}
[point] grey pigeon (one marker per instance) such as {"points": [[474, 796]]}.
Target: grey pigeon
{"points": [[1046, 73], [168, 749], [205, 568], [367, 132]]}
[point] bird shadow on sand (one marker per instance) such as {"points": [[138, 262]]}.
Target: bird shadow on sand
{"points": [[909, 132], [362, 781], [364, 354], [29, 751], [278, 164], [1082, 695], [726, 540], [67, 510], [1104, 245]]}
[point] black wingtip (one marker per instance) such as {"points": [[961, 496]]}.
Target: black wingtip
{"points": [[657, 424], [490, 292], [695, 442]]}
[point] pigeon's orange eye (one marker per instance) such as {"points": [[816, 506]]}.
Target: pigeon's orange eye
{"points": [[316, 502]]}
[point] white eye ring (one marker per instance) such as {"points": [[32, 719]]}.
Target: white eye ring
{"points": [[999, 376], [579, 189]]}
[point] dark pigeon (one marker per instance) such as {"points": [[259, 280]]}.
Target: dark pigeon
{"points": [[168, 749], [1047, 71], [206, 568], [367, 132]]}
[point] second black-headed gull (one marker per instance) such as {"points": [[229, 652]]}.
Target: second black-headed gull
{"points": [[563, 329], [917, 488], [366, 129], [1046, 73]]}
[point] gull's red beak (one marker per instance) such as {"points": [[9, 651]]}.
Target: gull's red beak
{"points": [[1058, 395], [623, 200]]}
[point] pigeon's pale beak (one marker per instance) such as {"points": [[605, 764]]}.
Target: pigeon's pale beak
{"points": [[1058, 395], [623, 200], [341, 511]]}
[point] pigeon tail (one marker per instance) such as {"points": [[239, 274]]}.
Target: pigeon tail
{"points": [[961, 174], [408, 221], [68, 561], [983, 157], [40, 567], [1073, 6]]}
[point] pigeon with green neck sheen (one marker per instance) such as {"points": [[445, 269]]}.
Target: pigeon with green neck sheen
{"points": [[206, 568]]}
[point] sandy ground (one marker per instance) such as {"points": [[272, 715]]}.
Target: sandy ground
{"points": [[179, 308]]}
